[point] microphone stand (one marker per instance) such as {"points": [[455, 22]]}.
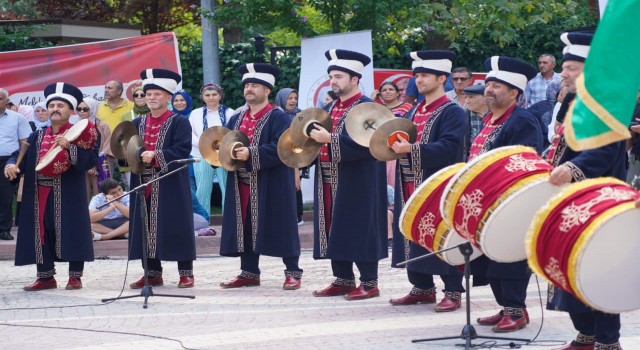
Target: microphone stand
{"points": [[468, 331], [147, 290]]}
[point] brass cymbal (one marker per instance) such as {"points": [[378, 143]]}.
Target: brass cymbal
{"points": [[120, 137], [297, 157], [229, 143], [303, 123], [135, 147], [364, 119], [387, 134], [209, 144]]}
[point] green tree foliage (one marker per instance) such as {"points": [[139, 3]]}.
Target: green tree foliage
{"points": [[253, 16], [474, 29], [17, 9], [18, 37]]}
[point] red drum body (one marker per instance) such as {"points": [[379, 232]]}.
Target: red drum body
{"points": [[54, 163], [492, 200], [585, 241], [82, 134], [421, 221]]}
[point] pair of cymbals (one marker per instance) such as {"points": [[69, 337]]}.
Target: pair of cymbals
{"points": [[229, 143], [210, 142], [120, 138], [127, 145], [389, 133], [135, 147], [364, 119], [305, 122], [297, 156]]}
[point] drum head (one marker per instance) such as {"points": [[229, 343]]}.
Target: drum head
{"points": [[503, 236], [76, 130], [606, 272], [454, 257]]}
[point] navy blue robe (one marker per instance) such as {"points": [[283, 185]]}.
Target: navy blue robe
{"points": [[170, 214], [609, 160], [272, 214], [73, 228], [440, 147], [358, 231], [521, 128]]}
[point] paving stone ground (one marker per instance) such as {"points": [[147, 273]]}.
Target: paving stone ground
{"points": [[264, 317]]}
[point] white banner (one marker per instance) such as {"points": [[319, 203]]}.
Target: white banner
{"points": [[314, 81]]}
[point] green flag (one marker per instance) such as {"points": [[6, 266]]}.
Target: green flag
{"points": [[608, 88]]}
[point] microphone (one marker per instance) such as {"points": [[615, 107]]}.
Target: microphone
{"points": [[187, 161]]}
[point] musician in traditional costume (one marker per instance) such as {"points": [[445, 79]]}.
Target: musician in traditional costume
{"points": [[167, 138], [596, 329], [54, 220], [506, 125], [442, 127], [350, 209], [260, 216]]}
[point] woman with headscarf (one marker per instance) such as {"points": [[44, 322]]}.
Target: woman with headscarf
{"points": [[139, 106], [181, 103], [287, 99], [213, 113], [87, 109], [41, 119]]}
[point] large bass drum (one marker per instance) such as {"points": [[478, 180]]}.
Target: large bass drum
{"points": [[421, 221], [585, 241], [492, 200]]}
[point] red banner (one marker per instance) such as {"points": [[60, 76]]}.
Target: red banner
{"points": [[89, 66]]}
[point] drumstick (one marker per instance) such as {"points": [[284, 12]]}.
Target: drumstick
{"points": [[23, 150]]}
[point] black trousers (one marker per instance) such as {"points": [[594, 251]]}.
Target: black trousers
{"points": [[605, 327], [425, 281], [250, 261], [299, 204], [509, 292], [155, 265], [7, 190], [344, 270]]}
